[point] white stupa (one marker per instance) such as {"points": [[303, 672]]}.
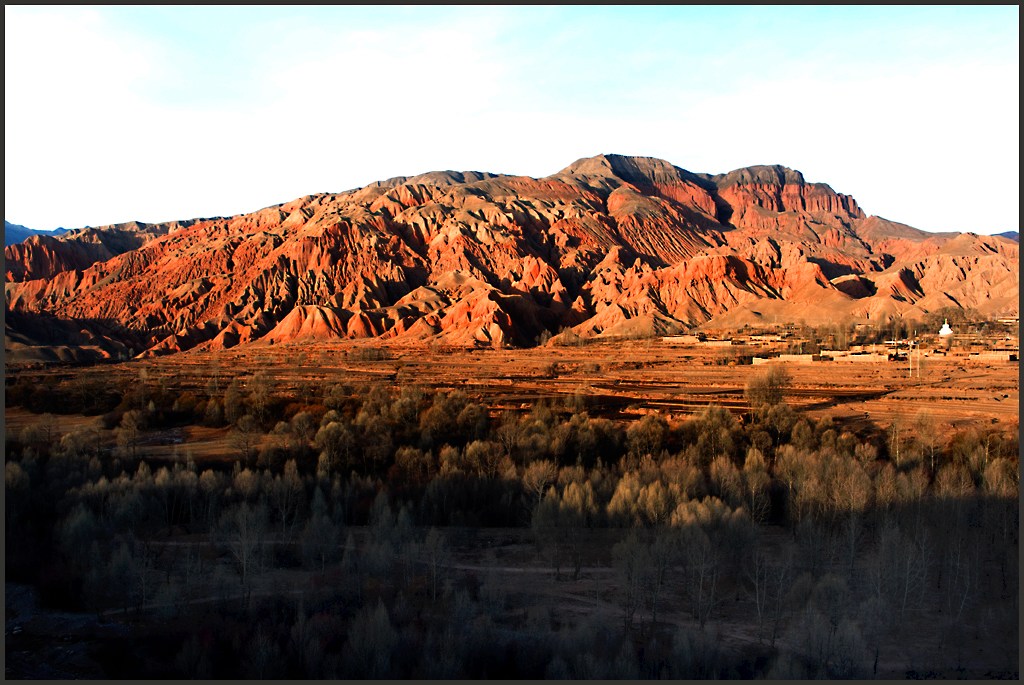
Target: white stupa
{"points": [[945, 330]]}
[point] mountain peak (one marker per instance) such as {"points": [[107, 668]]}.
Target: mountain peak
{"points": [[761, 174], [640, 171]]}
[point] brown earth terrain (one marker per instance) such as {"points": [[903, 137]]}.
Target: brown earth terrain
{"points": [[613, 379]]}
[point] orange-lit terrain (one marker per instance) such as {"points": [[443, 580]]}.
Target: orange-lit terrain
{"points": [[624, 421], [622, 379], [611, 246]]}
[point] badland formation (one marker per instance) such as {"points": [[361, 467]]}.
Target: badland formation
{"points": [[609, 246]]}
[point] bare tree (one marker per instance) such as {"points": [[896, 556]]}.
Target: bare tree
{"points": [[143, 566], [895, 440], [960, 571], [575, 512], [544, 523], [371, 640], [193, 659], [647, 436], [210, 487], [755, 486], [263, 655], [696, 655], [726, 481], [234, 406], [304, 643], [438, 554], [662, 554], [321, 540], [17, 488], [246, 482], [927, 436], [537, 476], [1001, 478], [337, 444], [655, 503], [243, 530], [629, 562], [701, 563], [623, 507], [791, 468], [851, 493], [558, 520], [768, 388], [287, 495], [245, 439], [129, 433], [508, 433], [260, 395], [110, 579], [483, 457], [758, 574], [901, 567]]}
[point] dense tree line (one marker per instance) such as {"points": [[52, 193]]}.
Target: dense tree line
{"points": [[366, 489]]}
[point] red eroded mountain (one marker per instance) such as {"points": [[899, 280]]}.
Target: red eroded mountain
{"points": [[42, 256], [610, 245]]}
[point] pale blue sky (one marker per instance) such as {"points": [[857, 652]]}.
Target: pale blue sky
{"points": [[160, 113]]}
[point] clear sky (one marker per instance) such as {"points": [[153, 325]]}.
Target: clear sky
{"points": [[158, 113]]}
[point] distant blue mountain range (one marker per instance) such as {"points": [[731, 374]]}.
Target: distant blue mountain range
{"points": [[15, 233], [1012, 235]]}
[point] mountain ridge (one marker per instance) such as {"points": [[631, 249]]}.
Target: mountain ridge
{"points": [[608, 245], [16, 233]]}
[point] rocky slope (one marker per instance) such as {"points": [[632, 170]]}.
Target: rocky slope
{"points": [[42, 255], [610, 245]]}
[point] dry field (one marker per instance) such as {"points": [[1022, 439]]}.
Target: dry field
{"points": [[621, 380]]}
